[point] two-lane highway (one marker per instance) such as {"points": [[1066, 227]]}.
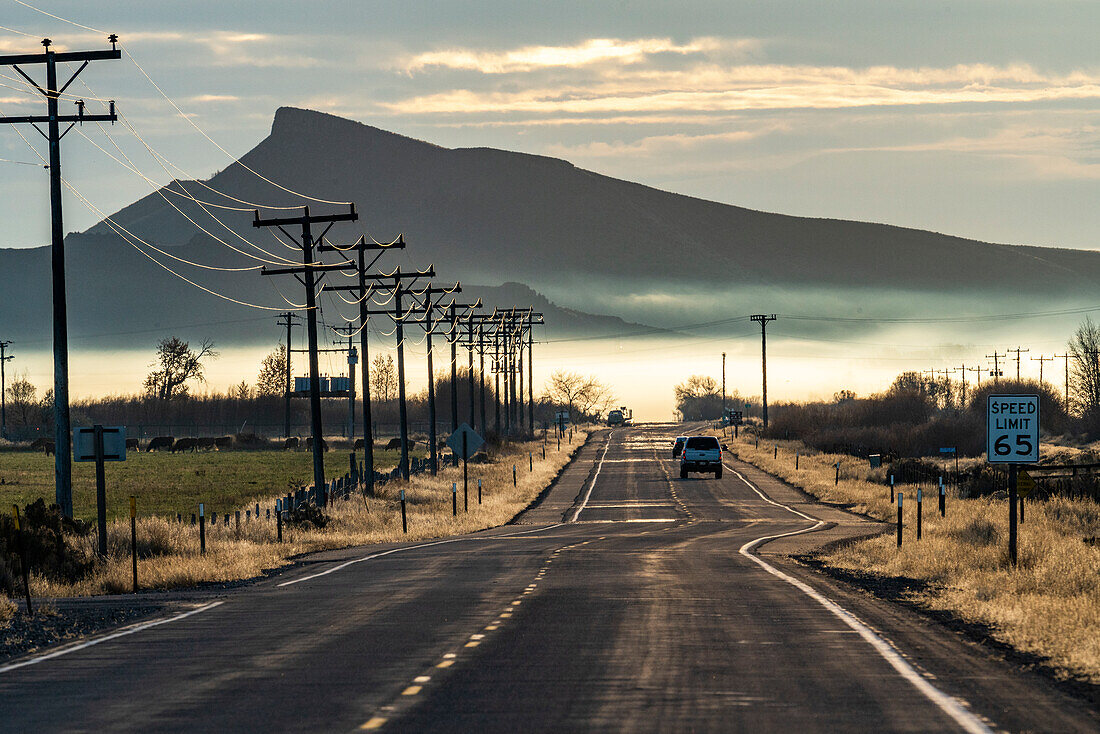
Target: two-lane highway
{"points": [[635, 603]]}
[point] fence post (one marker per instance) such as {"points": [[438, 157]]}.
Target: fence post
{"points": [[891, 489], [22, 557], [479, 491], [279, 504], [133, 537], [919, 497], [454, 499], [836, 482], [404, 521], [530, 461], [796, 461], [202, 529], [775, 452], [943, 499], [513, 475], [901, 496]]}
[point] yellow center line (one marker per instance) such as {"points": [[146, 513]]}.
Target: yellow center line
{"points": [[411, 691], [374, 723], [446, 664]]}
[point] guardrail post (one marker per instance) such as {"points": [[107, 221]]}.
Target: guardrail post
{"points": [[454, 499], [836, 482], [479, 491]]}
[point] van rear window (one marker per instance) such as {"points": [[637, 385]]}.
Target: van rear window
{"points": [[702, 442]]}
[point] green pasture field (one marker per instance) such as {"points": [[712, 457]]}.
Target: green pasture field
{"points": [[168, 483]]}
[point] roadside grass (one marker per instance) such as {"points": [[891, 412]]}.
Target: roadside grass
{"points": [[1048, 606], [169, 557], [167, 483]]}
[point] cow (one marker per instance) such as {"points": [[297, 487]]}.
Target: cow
{"points": [[290, 443], [394, 443], [184, 444], [205, 443], [49, 448], [132, 443], [161, 442], [358, 444], [309, 444], [224, 442]]}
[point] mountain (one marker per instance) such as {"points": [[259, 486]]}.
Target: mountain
{"points": [[493, 216]]}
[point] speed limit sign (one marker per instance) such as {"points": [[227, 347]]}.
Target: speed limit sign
{"points": [[1012, 429]]}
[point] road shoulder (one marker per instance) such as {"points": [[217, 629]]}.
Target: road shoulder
{"points": [[1016, 690]]}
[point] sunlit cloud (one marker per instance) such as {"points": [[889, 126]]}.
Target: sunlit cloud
{"points": [[529, 58], [748, 88]]}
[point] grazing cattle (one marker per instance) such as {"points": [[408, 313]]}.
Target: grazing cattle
{"points": [[206, 443], [394, 443], [132, 443], [358, 444], [223, 443], [49, 448], [161, 442], [290, 443], [309, 444], [184, 444]]}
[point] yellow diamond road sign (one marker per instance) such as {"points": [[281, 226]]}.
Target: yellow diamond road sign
{"points": [[1024, 484]]}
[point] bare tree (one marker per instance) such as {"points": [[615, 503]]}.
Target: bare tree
{"points": [[22, 399], [178, 364], [698, 398], [1084, 350], [272, 377], [581, 394], [383, 378]]}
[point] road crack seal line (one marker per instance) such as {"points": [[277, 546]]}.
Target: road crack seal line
{"points": [[407, 698], [954, 708]]}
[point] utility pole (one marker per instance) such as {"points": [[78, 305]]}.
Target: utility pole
{"points": [[430, 321], [1066, 357], [530, 369], [763, 320], [962, 369], [63, 481], [361, 248], [1040, 359], [1017, 350], [996, 373], [978, 373], [3, 390], [308, 270], [288, 322], [400, 315], [723, 417]]}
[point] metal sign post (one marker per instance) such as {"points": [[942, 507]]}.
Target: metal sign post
{"points": [[100, 444], [1012, 437]]}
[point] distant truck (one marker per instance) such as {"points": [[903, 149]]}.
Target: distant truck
{"points": [[619, 417]]}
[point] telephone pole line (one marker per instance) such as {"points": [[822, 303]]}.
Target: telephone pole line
{"points": [[723, 389], [978, 370], [1018, 351], [1040, 359], [361, 247], [288, 322], [763, 320], [310, 267], [996, 373], [3, 390], [63, 481]]}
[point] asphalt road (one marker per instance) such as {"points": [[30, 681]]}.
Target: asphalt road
{"points": [[628, 600]]}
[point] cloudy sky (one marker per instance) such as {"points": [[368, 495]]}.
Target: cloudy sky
{"points": [[974, 118]]}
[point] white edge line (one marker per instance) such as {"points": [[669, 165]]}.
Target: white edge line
{"points": [[949, 705], [592, 484], [372, 556], [106, 638]]}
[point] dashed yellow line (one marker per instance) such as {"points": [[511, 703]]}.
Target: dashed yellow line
{"points": [[411, 691], [374, 723], [446, 664]]}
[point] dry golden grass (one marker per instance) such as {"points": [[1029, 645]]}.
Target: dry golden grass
{"points": [[1048, 606], [168, 552]]}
